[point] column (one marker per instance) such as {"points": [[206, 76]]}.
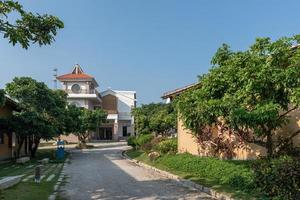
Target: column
{"points": [[116, 128]]}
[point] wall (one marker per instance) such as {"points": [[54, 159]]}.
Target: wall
{"points": [[109, 103], [127, 123], [188, 143], [68, 85], [5, 151], [126, 101]]}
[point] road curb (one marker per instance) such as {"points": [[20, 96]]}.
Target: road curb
{"points": [[182, 181]]}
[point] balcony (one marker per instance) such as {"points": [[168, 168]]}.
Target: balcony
{"points": [[86, 94]]}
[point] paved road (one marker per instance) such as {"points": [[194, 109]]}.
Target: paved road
{"points": [[103, 174]]}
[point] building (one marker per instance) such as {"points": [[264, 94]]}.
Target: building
{"points": [[82, 91], [187, 142], [9, 141]]}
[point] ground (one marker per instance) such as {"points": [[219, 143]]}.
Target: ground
{"points": [[27, 189], [102, 173]]}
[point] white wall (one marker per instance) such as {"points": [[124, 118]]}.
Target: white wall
{"points": [[79, 102], [126, 101], [129, 128]]}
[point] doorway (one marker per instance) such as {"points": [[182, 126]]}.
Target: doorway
{"points": [[125, 131], [105, 133]]}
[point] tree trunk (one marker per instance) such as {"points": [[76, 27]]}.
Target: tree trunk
{"points": [[20, 144], [269, 145], [36, 143]]}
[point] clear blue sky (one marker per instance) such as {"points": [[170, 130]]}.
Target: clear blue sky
{"points": [[148, 46]]}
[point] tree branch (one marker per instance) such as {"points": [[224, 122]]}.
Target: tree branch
{"points": [[287, 112]]}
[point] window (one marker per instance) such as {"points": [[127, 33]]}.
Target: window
{"points": [[1, 138], [76, 88]]}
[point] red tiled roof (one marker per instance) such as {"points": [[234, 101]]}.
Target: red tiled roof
{"points": [[74, 76]]}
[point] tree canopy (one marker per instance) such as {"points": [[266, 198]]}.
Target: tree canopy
{"points": [[155, 117], [27, 28], [81, 121], [251, 92], [42, 114]]}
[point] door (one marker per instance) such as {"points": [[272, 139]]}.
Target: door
{"points": [[105, 133], [124, 131]]}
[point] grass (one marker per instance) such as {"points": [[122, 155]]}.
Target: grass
{"points": [[30, 190], [228, 176]]}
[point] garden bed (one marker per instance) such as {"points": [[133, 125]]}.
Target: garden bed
{"points": [[233, 177]]}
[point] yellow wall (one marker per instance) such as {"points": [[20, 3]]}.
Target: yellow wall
{"points": [[188, 143], [5, 151]]}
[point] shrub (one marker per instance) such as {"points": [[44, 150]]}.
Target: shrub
{"points": [[131, 141], [278, 178], [143, 139], [149, 146], [156, 140], [167, 146]]}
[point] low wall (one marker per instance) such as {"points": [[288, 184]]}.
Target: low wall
{"points": [[188, 143]]}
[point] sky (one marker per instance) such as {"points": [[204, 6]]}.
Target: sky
{"points": [[147, 46]]}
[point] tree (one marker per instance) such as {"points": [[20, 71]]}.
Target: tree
{"points": [[81, 121], [249, 94], [42, 111], [29, 27], [2, 98], [91, 120], [155, 117]]}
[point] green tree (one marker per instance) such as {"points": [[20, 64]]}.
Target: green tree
{"points": [[158, 118], [42, 114], [73, 120], [28, 27], [91, 120], [81, 121], [251, 92]]}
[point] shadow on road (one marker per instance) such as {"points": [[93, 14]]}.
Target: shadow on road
{"points": [[104, 174]]}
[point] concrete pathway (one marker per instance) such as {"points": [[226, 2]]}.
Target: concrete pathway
{"points": [[104, 174]]}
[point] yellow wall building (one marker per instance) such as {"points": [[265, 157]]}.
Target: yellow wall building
{"points": [[187, 142]]}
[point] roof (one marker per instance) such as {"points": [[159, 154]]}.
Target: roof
{"points": [[178, 91], [11, 101], [74, 76], [77, 73]]}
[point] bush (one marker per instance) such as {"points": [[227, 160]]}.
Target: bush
{"points": [[278, 178], [167, 146], [131, 141], [141, 140]]}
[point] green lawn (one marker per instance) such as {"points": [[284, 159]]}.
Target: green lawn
{"points": [[229, 176], [27, 189]]}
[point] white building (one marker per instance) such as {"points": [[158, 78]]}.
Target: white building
{"points": [[82, 91]]}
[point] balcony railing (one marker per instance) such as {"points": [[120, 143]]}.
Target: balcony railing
{"points": [[84, 92]]}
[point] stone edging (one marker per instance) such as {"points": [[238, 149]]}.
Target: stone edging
{"points": [[58, 183], [184, 182]]}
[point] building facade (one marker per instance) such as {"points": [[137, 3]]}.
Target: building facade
{"points": [[82, 91], [9, 142]]}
